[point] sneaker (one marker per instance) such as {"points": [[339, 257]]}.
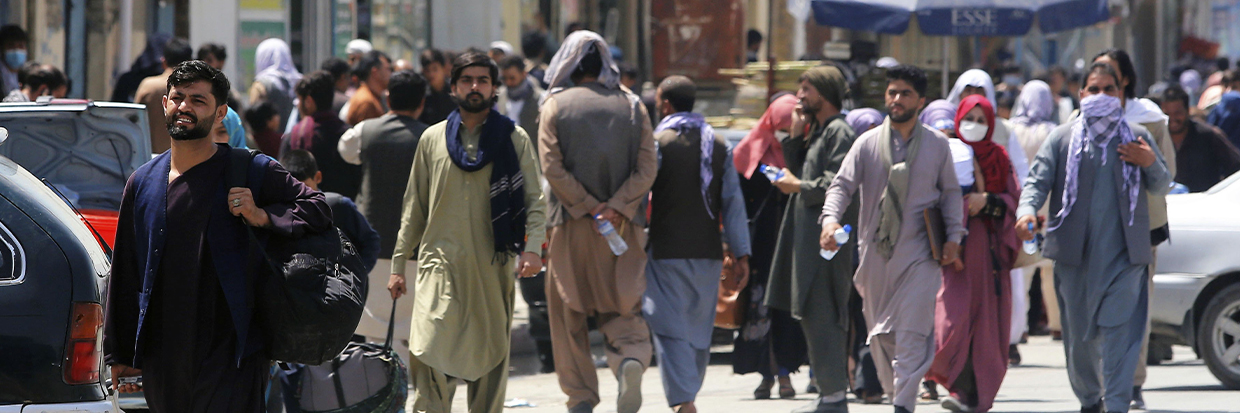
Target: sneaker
{"points": [[1096, 408], [951, 403], [630, 378], [1138, 402]]}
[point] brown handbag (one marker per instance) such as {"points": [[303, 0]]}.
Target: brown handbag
{"points": [[730, 307]]}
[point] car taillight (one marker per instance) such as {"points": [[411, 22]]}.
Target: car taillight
{"points": [[82, 351]]}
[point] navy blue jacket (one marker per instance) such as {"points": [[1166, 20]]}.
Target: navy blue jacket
{"points": [[294, 209]]}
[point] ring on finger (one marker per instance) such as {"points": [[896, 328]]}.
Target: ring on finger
{"points": [[236, 202]]}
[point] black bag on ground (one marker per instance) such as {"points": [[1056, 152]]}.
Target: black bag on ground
{"points": [[364, 378], [308, 306]]}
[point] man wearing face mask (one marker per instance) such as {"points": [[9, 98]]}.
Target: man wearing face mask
{"points": [[815, 290], [13, 42], [1098, 173], [43, 80]]}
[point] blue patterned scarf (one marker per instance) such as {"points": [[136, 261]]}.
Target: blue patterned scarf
{"points": [[507, 181], [686, 121]]}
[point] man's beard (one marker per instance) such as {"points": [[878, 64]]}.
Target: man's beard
{"points": [[181, 133], [482, 104], [908, 115]]}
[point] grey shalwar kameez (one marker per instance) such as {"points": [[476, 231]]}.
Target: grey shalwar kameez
{"points": [[1100, 262], [899, 291]]}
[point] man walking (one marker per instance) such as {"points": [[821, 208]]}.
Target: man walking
{"points": [[471, 209], [598, 154], [519, 98], [373, 72], [152, 90], [697, 187], [319, 132], [1204, 156], [385, 147], [815, 290], [1097, 172], [178, 291], [438, 100], [902, 170]]}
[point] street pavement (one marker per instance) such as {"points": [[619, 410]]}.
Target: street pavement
{"points": [[1039, 385]]}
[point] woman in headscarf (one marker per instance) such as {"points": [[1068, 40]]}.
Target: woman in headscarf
{"points": [[275, 78], [1190, 80], [978, 82], [149, 63], [770, 342], [864, 119], [230, 131], [939, 114], [972, 311]]}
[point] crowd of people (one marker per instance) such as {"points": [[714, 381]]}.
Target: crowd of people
{"points": [[488, 164]]}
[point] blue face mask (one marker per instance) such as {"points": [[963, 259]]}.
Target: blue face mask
{"points": [[14, 58]]}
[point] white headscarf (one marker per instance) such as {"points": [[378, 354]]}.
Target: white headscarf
{"points": [[975, 78], [273, 59], [1143, 111], [569, 57]]}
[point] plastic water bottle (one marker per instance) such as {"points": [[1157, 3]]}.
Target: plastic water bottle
{"points": [[841, 238], [617, 244], [1031, 246], [773, 174]]}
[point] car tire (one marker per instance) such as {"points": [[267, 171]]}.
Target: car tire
{"points": [[1219, 335]]}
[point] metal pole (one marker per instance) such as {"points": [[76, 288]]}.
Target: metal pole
{"points": [[946, 66], [126, 27], [770, 51]]}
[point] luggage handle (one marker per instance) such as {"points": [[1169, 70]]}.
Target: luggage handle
{"points": [[387, 344]]}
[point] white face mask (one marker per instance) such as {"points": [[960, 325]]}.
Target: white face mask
{"points": [[972, 131]]}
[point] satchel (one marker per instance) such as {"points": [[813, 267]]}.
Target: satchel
{"points": [[935, 231], [730, 307], [364, 378], [309, 303]]}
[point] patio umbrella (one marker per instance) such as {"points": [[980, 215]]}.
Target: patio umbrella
{"points": [[960, 17]]}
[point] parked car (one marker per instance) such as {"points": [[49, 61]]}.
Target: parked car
{"points": [[53, 271], [1195, 299], [86, 151]]}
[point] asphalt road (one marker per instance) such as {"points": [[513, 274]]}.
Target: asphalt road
{"points": [[1039, 385]]}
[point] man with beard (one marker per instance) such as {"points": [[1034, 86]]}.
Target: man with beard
{"points": [[475, 215], [815, 290], [1203, 155], [901, 169], [520, 95], [1100, 173], [181, 271], [598, 153], [373, 72]]}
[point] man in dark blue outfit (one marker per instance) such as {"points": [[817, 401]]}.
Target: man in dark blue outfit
{"points": [[183, 272]]}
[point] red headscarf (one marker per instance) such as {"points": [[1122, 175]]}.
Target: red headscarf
{"points": [[760, 145], [993, 159]]}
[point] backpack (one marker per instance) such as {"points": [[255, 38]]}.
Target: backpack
{"points": [[313, 290]]}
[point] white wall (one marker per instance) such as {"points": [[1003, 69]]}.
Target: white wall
{"points": [[460, 24], [215, 21]]}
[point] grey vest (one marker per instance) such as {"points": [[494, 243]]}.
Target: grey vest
{"points": [[600, 133], [388, 145]]}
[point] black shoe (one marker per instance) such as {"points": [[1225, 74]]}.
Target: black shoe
{"points": [[1013, 355], [811, 388], [1096, 408], [901, 409], [763, 392], [1138, 402]]}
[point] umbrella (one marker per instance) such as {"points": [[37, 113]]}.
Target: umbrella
{"points": [[960, 17]]}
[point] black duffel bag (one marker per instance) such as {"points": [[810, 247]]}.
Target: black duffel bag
{"points": [[310, 302]]}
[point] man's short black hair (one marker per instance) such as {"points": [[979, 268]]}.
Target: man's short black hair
{"points": [[46, 75], [25, 69], [1173, 93], [572, 27], [216, 50], [752, 37], [177, 51], [196, 70], [300, 163], [514, 61], [406, 90], [369, 60], [533, 44], [258, 115], [1100, 68], [431, 56], [911, 74], [474, 59], [319, 86], [336, 66], [679, 91], [591, 64], [1230, 76], [1125, 68], [13, 33], [627, 70]]}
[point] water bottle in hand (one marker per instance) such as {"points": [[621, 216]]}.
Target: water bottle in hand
{"points": [[1031, 246], [617, 244], [841, 238], [772, 173]]}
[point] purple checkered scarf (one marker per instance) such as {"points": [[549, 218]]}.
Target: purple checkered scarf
{"points": [[683, 121], [1102, 118]]}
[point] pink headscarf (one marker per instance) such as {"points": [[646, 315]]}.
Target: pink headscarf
{"points": [[760, 145]]}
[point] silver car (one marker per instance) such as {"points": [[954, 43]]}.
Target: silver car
{"points": [[1195, 299]]}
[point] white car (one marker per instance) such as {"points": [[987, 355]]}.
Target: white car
{"points": [[1195, 299]]}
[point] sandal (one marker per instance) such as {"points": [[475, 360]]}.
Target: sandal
{"points": [[785, 388], [763, 392], [931, 391]]}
